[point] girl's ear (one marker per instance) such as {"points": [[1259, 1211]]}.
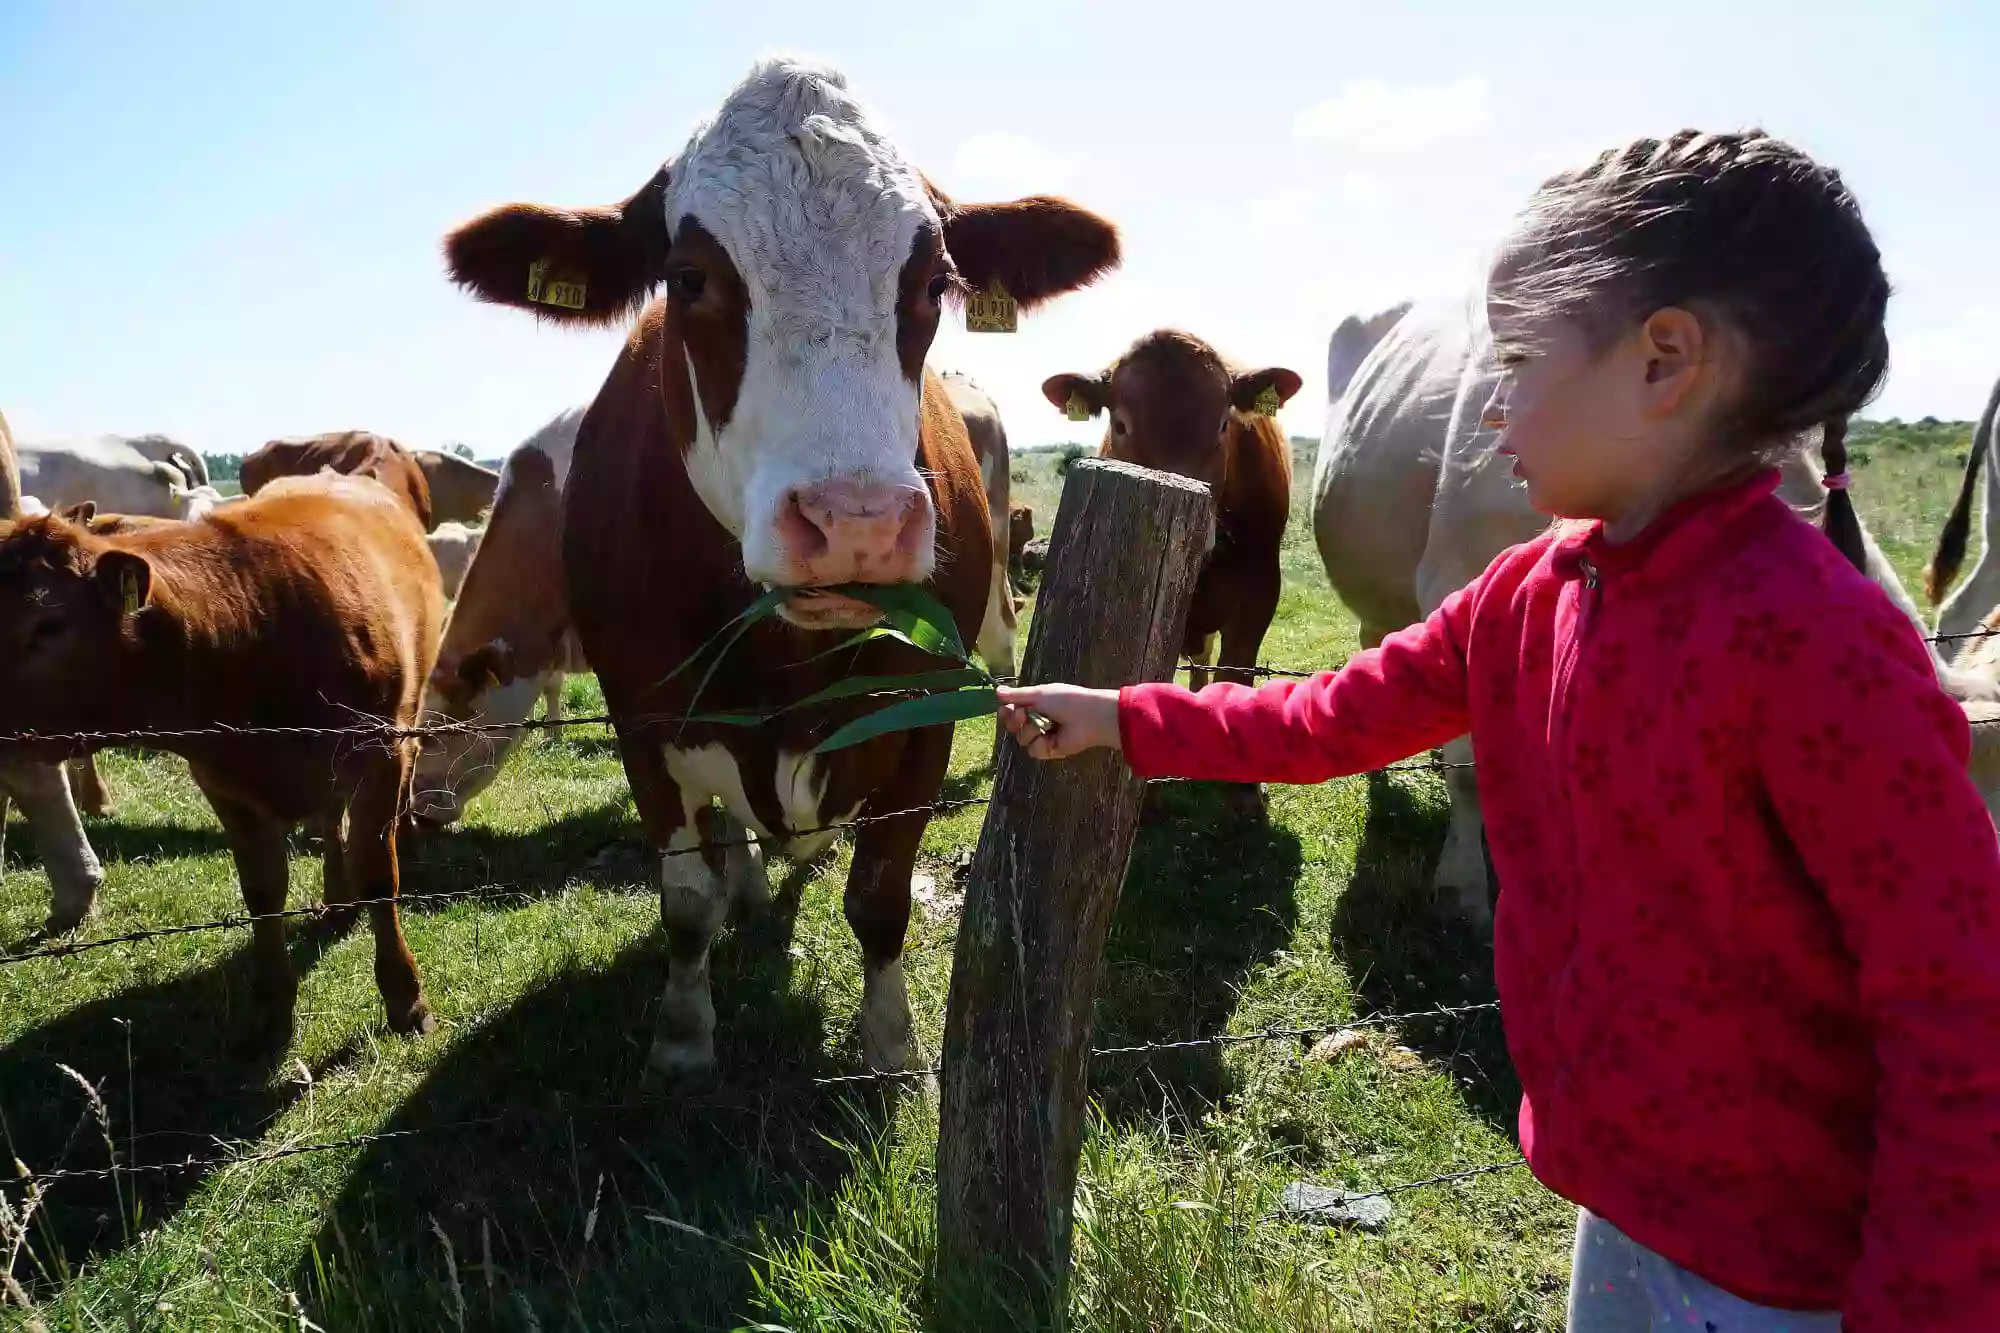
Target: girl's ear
{"points": [[1676, 349]]}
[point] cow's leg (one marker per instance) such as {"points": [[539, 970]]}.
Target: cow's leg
{"points": [[257, 844], [329, 828], [1242, 639], [374, 812], [1461, 881], [73, 869], [878, 894], [552, 703], [996, 632], [694, 902], [88, 785]]}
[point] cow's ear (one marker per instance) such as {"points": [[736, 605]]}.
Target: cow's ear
{"points": [[1035, 248], [486, 667], [1078, 397], [126, 579], [80, 513], [575, 266], [1263, 392]]}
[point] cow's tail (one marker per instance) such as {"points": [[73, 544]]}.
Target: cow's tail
{"points": [[1950, 553]]}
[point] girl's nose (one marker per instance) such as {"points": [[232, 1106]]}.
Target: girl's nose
{"points": [[1495, 415]]}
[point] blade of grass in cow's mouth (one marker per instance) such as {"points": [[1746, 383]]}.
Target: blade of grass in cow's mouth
{"points": [[826, 609]]}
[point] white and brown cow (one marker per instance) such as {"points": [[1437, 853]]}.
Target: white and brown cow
{"points": [[509, 640], [771, 423], [989, 445]]}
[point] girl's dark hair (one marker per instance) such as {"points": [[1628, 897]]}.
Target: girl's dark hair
{"points": [[1741, 227]]}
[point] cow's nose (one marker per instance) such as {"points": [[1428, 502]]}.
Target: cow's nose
{"points": [[847, 531]]}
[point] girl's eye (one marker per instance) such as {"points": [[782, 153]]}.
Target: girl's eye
{"points": [[939, 286], [1510, 358], [686, 284]]}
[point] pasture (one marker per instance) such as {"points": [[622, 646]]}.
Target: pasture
{"points": [[543, 1188]]}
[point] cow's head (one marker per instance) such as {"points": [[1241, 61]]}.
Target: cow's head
{"points": [[1171, 399], [487, 685], [69, 603], [805, 266]]}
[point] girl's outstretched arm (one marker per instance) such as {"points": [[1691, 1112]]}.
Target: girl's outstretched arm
{"points": [[1386, 704], [1864, 760]]}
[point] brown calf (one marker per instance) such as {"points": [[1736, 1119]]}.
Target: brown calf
{"points": [[771, 422], [357, 453], [314, 605], [1177, 406]]}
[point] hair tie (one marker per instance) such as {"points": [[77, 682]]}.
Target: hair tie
{"points": [[1835, 481]]}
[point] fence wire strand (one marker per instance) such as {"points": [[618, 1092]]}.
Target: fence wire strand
{"points": [[219, 1161]]}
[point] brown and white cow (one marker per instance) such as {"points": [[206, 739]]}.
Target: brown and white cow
{"points": [[40, 788], [509, 640], [356, 453], [453, 546], [1176, 405], [313, 605], [989, 446], [461, 490], [771, 423]]}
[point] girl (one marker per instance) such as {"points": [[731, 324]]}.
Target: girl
{"points": [[1748, 939]]}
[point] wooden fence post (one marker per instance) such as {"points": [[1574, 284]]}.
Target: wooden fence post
{"points": [[1126, 549]]}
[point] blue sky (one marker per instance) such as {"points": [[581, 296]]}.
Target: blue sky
{"points": [[222, 221]]}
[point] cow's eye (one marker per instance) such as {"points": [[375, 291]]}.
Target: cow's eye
{"points": [[686, 284]]}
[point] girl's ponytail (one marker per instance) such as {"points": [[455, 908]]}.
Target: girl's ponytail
{"points": [[1840, 523]]}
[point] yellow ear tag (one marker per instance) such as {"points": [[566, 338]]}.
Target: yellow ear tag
{"points": [[1267, 403], [128, 589], [1077, 409], [992, 311], [543, 290]]}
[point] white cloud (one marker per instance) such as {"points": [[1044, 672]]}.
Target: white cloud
{"points": [[1287, 209], [1379, 117], [1006, 165], [1364, 188]]}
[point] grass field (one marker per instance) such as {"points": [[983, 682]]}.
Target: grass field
{"points": [[765, 1202]]}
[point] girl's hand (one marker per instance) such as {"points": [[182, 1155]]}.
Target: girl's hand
{"points": [[1057, 721]]}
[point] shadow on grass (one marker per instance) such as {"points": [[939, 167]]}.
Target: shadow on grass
{"points": [[598, 845], [595, 1201], [115, 839], [1404, 957], [172, 1064], [1209, 897]]}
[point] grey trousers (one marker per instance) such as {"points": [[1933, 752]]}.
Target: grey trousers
{"points": [[1617, 1285]]}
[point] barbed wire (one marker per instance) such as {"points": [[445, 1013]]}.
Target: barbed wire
{"points": [[239, 920], [874, 1076]]}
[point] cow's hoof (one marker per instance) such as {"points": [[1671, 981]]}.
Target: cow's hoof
{"points": [[680, 1066], [414, 1021]]}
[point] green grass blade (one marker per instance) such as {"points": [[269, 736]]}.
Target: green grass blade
{"points": [[929, 711], [912, 610], [758, 610]]}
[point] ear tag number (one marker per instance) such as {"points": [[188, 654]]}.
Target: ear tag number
{"points": [[1077, 409], [992, 311], [1267, 403], [554, 291]]}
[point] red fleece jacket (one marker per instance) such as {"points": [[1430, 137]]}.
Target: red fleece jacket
{"points": [[1748, 934]]}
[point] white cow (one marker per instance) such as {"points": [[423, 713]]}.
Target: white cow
{"points": [[1410, 502], [453, 546], [40, 789], [1980, 592], [107, 469]]}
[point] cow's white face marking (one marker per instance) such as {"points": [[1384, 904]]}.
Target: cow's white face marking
{"points": [[819, 213]]}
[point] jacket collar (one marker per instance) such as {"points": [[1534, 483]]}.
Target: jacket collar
{"points": [[1682, 538]]}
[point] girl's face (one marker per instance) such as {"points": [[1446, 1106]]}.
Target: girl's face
{"points": [[1597, 429]]}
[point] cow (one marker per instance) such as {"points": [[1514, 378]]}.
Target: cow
{"points": [[453, 546], [508, 640], [165, 449], [1176, 405], [1020, 531], [1410, 502], [461, 490], [107, 469], [1980, 592], [354, 453], [989, 445], [771, 424], [40, 788], [313, 605]]}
